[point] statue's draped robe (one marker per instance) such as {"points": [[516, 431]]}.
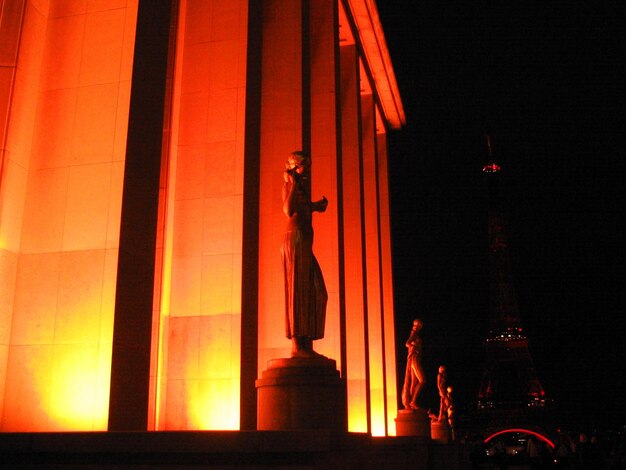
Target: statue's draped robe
{"points": [[305, 291]]}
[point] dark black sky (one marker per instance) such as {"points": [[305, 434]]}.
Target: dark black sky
{"points": [[545, 80]]}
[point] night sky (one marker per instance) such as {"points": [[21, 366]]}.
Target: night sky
{"points": [[544, 79]]}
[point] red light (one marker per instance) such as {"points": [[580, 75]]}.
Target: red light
{"points": [[491, 168], [524, 431]]}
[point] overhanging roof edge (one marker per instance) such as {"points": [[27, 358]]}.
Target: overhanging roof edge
{"points": [[374, 45]]}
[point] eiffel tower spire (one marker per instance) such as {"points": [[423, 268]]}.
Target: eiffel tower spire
{"points": [[509, 378], [503, 303]]}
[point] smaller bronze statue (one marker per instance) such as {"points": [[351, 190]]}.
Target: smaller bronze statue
{"points": [[444, 399], [451, 413], [414, 376], [450, 410]]}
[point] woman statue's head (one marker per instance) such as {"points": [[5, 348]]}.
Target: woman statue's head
{"points": [[297, 161]]}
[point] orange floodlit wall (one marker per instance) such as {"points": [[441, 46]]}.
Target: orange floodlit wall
{"points": [[201, 301], [62, 172], [65, 92], [12, 179]]}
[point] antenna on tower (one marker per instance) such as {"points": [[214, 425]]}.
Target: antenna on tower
{"points": [[491, 166]]}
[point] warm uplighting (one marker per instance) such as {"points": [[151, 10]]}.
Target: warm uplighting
{"points": [[63, 165], [67, 146], [378, 413], [199, 360], [79, 398], [214, 405], [357, 414]]}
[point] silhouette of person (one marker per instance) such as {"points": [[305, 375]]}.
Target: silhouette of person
{"points": [[414, 376], [305, 290]]}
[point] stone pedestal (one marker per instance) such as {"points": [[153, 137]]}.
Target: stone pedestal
{"points": [[300, 393], [413, 423], [440, 431]]}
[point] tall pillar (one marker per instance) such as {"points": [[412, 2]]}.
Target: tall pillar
{"points": [[132, 331], [372, 263], [352, 243], [250, 236], [324, 122], [212, 166], [388, 317]]}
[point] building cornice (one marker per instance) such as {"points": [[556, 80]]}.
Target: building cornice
{"points": [[372, 40]]}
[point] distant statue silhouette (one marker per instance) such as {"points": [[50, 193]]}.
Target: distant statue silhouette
{"points": [[305, 291], [444, 398], [414, 376], [451, 412]]}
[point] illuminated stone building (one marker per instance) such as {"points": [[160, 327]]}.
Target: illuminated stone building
{"points": [[142, 149]]}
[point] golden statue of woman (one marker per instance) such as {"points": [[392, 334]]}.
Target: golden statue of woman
{"points": [[305, 291], [414, 378]]}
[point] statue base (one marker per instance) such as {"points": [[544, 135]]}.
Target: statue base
{"points": [[300, 393], [441, 431], [413, 423]]}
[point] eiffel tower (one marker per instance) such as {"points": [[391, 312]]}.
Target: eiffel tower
{"points": [[510, 389]]}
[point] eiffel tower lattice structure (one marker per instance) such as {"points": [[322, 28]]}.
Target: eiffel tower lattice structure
{"points": [[510, 393]]}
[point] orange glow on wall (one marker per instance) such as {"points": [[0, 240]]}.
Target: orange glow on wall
{"points": [[199, 323], [64, 118], [79, 392], [201, 391], [64, 156]]}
